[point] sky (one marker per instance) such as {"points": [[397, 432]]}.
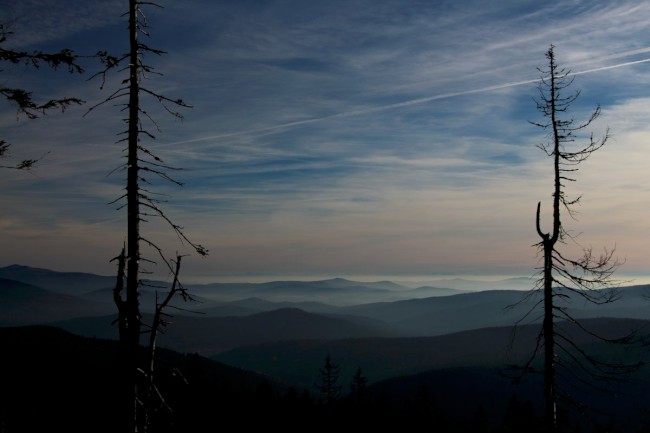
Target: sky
{"points": [[358, 138]]}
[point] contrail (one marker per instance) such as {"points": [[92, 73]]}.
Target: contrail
{"points": [[405, 103], [604, 68], [359, 112]]}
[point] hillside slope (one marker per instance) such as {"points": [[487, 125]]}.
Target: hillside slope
{"points": [[212, 335], [23, 304], [298, 362], [55, 381]]}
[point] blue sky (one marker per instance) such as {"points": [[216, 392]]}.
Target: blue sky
{"points": [[348, 138]]}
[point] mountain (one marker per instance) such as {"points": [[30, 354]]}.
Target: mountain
{"points": [[22, 304], [149, 298], [298, 362], [73, 283], [212, 335], [254, 305], [430, 291], [336, 291], [462, 284], [452, 348], [631, 302], [473, 310], [227, 317], [445, 314]]}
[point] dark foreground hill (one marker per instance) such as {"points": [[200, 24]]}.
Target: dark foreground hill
{"points": [[296, 362], [212, 335], [56, 381], [468, 375], [485, 400]]}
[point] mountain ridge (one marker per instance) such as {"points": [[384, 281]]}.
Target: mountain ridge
{"points": [[200, 326]]}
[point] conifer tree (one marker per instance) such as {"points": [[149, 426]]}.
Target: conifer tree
{"points": [[359, 383], [328, 381]]}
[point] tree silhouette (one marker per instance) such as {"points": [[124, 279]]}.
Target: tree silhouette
{"points": [[560, 277], [328, 381], [141, 203], [359, 384], [23, 99]]}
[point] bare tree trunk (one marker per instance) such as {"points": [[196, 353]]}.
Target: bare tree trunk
{"points": [[548, 246], [133, 318], [549, 345], [548, 331], [138, 203], [587, 273]]}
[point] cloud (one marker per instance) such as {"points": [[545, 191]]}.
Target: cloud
{"points": [[40, 22], [350, 136]]}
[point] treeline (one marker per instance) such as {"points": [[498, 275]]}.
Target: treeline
{"points": [[57, 381]]}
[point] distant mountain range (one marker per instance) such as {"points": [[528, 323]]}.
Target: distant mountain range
{"points": [[336, 291], [285, 329], [72, 283], [230, 315], [220, 325]]}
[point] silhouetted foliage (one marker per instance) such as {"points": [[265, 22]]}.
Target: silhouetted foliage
{"points": [[23, 99], [328, 378], [359, 385]]}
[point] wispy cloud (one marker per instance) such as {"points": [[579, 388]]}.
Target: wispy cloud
{"points": [[38, 23], [423, 100], [352, 136]]}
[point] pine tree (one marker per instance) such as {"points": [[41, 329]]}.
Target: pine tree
{"points": [[358, 385], [328, 381]]}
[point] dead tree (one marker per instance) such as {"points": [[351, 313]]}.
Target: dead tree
{"points": [[153, 397], [560, 277], [141, 203]]}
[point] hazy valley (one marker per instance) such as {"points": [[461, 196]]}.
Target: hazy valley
{"points": [[284, 330]]}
